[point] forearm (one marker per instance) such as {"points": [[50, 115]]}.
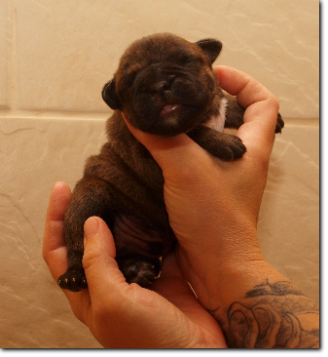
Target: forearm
{"points": [[257, 307]]}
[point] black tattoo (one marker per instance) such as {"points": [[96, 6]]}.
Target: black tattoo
{"points": [[275, 315]]}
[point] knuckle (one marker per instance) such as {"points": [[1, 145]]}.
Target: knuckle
{"points": [[273, 101]]}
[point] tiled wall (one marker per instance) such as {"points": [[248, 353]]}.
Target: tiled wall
{"points": [[55, 57]]}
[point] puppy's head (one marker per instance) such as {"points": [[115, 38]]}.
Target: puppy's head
{"points": [[164, 84]]}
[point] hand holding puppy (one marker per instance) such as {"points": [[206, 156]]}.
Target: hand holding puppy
{"points": [[213, 208]]}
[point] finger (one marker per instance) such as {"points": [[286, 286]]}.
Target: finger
{"points": [[54, 249], [103, 275], [107, 286], [261, 109], [59, 199], [98, 263], [247, 89]]}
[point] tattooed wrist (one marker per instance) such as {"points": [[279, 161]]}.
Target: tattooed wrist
{"points": [[271, 315]]}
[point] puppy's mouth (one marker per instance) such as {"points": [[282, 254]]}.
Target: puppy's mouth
{"points": [[172, 120], [170, 109]]}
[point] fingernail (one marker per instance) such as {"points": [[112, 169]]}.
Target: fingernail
{"points": [[90, 228]]}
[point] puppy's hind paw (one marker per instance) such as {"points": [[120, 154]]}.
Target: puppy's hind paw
{"points": [[139, 270], [73, 280]]}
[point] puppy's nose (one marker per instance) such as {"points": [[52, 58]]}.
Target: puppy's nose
{"points": [[163, 86]]}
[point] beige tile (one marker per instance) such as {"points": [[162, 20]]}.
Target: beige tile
{"points": [[71, 48], [61, 53], [289, 219], [5, 51], [277, 42], [36, 153]]}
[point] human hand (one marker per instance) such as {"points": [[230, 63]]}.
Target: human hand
{"points": [[120, 315], [213, 206]]}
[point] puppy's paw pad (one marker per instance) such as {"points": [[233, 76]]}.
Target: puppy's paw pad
{"points": [[73, 280]]}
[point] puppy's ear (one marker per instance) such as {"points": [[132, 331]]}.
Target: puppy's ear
{"points": [[109, 95], [210, 47]]}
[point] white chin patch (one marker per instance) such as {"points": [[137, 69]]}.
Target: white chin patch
{"points": [[217, 122]]}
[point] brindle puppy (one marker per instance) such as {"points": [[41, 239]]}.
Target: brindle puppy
{"points": [[165, 86]]}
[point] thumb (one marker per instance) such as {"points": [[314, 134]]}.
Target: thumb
{"points": [[99, 262], [172, 154]]}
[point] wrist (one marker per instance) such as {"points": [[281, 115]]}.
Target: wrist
{"points": [[228, 266], [234, 281]]}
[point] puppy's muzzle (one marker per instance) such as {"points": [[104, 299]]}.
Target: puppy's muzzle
{"points": [[163, 87]]}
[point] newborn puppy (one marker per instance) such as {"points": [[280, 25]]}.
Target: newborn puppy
{"points": [[165, 86]]}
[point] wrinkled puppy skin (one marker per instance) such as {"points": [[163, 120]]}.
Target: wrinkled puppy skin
{"points": [[165, 86]]}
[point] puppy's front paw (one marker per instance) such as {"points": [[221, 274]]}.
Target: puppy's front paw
{"points": [[139, 271], [73, 280], [230, 147], [280, 124]]}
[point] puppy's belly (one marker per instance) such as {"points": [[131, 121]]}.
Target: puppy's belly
{"points": [[133, 237]]}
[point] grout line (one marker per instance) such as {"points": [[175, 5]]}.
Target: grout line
{"points": [[57, 115], [13, 92], [13, 113], [304, 121], [21, 114]]}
